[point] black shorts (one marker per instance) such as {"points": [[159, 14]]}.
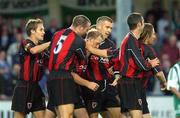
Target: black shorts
{"points": [[145, 108], [79, 104], [130, 93], [101, 100], [144, 102], [51, 107], [62, 91], [28, 97]]}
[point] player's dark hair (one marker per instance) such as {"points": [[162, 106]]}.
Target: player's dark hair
{"points": [[133, 19]]}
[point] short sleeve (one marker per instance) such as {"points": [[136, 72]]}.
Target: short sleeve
{"points": [[27, 45], [172, 79]]}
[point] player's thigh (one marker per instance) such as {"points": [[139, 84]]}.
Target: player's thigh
{"points": [[135, 113], [94, 115], [125, 115], [105, 114], [78, 113], [148, 115], [49, 114], [115, 112], [66, 110], [19, 115], [39, 114]]}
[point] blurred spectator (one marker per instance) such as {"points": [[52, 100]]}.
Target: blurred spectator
{"points": [[114, 29], [68, 21], [5, 38], [14, 77], [53, 27], [22, 27], [154, 14], [177, 29], [1, 23], [10, 25], [170, 48], [150, 18], [166, 64], [163, 26], [4, 75], [13, 49], [176, 17]]}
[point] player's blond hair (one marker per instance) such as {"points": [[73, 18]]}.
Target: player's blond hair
{"points": [[80, 20], [93, 34], [32, 25], [104, 18]]}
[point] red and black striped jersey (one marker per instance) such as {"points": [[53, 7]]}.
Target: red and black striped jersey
{"points": [[98, 66], [66, 45], [81, 66], [132, 62], [32, 65], [148, 52]]}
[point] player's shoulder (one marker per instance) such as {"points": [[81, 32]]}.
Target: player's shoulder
{"points": [[26, 42], [59, 32], [79, 39], [176, 65], [149, 47]]}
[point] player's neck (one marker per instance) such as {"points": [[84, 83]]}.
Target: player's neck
{"points": [[135, 33], [73, 29], [33, 39]]}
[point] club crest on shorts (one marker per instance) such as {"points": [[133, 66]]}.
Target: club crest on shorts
{"points": [[94, 104], [29, 105], [140, 102]]}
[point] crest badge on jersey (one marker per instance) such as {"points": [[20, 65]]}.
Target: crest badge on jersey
{"points": [[94, 104], [29, 105]]}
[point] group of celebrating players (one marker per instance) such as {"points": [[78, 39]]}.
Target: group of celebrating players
{"points": [[88, 75]]}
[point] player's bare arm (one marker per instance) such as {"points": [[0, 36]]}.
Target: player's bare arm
{"points": [[175, 91], [79, 80], [39, 48], [162, 79]]}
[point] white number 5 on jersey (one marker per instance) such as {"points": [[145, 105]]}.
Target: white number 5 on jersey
{"points": [[59, 44]]}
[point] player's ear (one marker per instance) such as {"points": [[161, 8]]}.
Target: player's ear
{"points": [[98, 26], [81, 28], [78, 29], [32, 31]]}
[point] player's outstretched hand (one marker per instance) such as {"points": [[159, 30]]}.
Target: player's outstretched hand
{"points": [[93, 86], [163, 86], [154, 62], [114, 83]]}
